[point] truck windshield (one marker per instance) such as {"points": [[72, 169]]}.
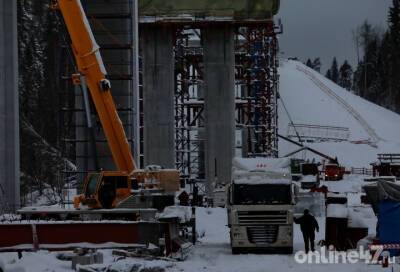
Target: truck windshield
{"points": [[270, 194]]}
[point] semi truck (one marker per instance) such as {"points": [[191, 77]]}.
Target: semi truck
{"points": [[260, 203]]}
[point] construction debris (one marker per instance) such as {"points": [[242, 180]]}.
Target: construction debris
{"points": [[85, 257]]}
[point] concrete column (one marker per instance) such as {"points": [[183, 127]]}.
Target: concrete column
{"points": [[219, 99], [158, 95], [9, 117]]}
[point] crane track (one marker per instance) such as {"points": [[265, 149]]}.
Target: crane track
{"points": [[370, 131]]}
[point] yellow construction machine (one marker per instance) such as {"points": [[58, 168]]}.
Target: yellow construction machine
{"points": [[107, 189]]}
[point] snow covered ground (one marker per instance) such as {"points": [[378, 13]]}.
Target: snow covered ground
{"points": [[313, 99], [212, 253], [310, 99]]}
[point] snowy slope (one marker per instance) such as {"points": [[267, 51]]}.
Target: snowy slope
{"points": [[313, 99]]}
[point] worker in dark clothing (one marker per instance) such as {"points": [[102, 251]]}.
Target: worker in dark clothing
{"points": [[308, 226]]}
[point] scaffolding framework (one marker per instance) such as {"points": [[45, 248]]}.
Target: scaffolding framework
{"points": [[256, 92], [257, 82], [189, 105]]}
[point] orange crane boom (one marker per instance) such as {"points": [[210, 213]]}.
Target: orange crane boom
{"points": [[91, 66], [108, 189]]}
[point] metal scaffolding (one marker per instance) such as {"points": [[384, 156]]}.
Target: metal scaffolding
{"points": [[255, 91], [256, 95], [257, 83], [189, 105]]}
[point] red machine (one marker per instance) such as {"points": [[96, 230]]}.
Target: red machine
{"points": [[334, 172]]}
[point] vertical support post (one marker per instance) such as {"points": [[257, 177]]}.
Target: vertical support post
{"points": [[9, 108], [219, 99], [136, 95], [193, 223], [158, 95], [35, 237]]}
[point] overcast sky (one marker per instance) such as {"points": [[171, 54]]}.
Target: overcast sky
{"points": [[322, 28]]}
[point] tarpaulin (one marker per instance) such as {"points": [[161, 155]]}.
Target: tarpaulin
{"points": [[389, 223], [382, 190]]}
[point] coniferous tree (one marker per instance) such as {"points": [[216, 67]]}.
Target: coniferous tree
{"points": [[364, 76], [377, 77], [386, 96], [317, 65], [368, 71], [394, 22], [346, 76], [41, 160], [328, 74], [309, 64], [334, 71], [394, 30]]}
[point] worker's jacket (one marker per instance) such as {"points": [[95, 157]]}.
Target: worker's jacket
{"points": [[308, 223]]}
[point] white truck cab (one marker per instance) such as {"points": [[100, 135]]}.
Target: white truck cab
{"points": [[260, 208]]}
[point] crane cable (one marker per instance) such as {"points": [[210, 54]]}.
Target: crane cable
{"points": [[290, 118]]}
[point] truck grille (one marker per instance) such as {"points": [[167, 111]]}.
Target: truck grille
{"points": [[262, 234], [262, 217]]}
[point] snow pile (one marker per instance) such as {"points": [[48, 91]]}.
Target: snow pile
{"points": [[336, 211], [356, 219], [350, 183], [312, 99], [211, 224], [182, 212]]}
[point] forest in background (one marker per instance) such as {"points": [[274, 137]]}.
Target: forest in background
{"points": [[44, 155], [377, 75]]}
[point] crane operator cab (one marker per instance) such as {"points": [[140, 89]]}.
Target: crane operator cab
{"points": [[115, 189], [104, 190]]}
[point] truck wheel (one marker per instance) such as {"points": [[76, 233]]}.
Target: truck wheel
{"points": [[236, 250]]}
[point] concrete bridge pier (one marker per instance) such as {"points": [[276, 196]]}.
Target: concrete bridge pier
{"points": [[157, 43], [219, 103]]}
